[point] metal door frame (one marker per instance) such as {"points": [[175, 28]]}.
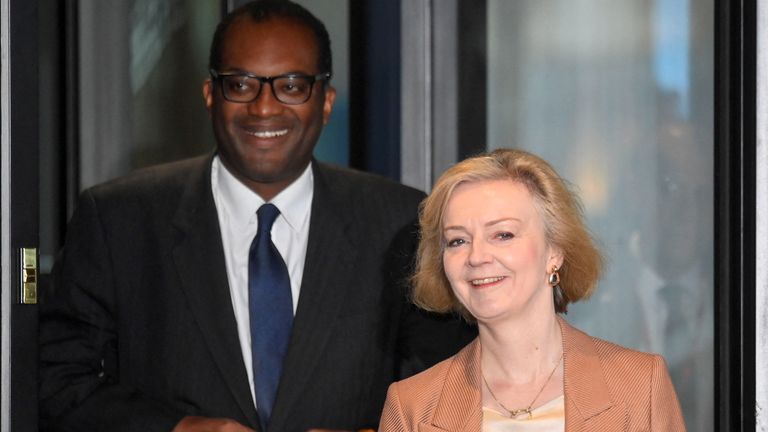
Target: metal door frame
{"points": [[761, 217], [19, 193], [5, 227]]}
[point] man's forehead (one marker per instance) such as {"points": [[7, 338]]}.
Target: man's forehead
{"points": [[274, 46], [286, 26]]}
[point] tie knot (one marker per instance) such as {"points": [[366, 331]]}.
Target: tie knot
{"points": [[267, 214]]}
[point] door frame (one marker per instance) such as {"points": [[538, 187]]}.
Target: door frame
{"points": [[19, 193], [761, 217], [735, 216]]}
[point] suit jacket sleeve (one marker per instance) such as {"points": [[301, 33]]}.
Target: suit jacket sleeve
{"points": [[79, 389], [665, 407]]}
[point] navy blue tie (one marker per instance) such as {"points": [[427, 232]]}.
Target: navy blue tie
{"points": [[271, 312]]}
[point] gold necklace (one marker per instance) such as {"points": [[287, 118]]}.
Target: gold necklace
{"points": [[517, 412]]}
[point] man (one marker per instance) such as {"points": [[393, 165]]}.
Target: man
{"points": [[155, 316]]}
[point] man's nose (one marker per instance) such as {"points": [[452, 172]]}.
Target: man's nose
{"points": [[265, 104]]}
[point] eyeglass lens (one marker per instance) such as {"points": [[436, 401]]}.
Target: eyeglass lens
{"points": [[288, 90]]}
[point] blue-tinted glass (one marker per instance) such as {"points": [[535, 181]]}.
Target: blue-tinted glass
{"points": [[618, 96]]}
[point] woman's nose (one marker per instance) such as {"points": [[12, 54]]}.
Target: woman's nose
{"points": [[479, 253]]}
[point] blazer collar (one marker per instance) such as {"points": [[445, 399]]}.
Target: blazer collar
{"points": [[199, 258], [460, 405], [589, 404]]}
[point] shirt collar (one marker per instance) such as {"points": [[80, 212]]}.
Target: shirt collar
{"points": [[294, 202]]}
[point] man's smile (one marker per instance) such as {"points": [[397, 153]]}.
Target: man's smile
{"points": [[267, 133]]}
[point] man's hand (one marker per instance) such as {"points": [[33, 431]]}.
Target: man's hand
{"points": [[208, 424]]}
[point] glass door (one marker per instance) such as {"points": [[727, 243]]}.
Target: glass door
{"points": [[619, 97]]}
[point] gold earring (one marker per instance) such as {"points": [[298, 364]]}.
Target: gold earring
{"points": [[554, 277]]}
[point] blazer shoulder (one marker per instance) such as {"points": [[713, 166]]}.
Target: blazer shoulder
{"points": [[456, 370], [429, 381], [628, 373], [610, 354], [419, 395], [613, 355], [446, 396]]}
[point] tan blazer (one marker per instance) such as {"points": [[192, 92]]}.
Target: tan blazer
{"points": [[607, 388]]}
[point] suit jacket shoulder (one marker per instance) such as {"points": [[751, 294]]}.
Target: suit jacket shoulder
{"points": [[351, 188], [164, 184]]}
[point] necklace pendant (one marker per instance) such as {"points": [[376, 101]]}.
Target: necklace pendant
{"points": [[517, 412]]}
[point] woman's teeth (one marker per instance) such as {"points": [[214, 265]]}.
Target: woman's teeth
{"points": [[486, 280]]}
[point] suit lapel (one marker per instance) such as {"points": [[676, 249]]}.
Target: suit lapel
{"points": [[460, 404], [199, 258], [589, 405], [328, 267]]}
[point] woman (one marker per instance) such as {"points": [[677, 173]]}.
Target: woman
{"points": [[504, 244]]}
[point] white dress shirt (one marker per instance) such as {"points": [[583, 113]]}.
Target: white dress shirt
{"points": [[236, 206]]}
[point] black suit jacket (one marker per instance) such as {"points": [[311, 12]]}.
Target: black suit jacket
{"points": [[138, 329]]}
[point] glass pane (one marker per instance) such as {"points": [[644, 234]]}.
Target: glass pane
{"points": [[333, 145], [141, 68], [169, 43], [618, 96]]}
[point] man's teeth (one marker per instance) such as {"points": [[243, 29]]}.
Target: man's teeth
{"points": [[487, 280], [269, 134]]}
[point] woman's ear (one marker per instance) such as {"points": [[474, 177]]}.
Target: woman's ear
{"points": [[556, 258]]}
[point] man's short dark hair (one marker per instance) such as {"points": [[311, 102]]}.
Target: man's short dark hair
{"points": [[265, 10]]}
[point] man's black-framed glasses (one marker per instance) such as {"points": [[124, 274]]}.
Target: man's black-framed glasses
{"points": [[290, 89]]}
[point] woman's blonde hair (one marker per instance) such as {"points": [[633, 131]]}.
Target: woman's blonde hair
{"points": [[560, 208]]}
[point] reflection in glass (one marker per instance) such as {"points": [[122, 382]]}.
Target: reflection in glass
{"points": [[618, 96]]}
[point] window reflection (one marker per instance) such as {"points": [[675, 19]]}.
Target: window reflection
{"points": [[618, 96]]}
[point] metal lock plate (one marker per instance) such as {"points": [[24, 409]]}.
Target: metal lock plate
{"points": [[28, 274]]}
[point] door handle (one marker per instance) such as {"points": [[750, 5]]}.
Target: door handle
{"points": [[28, 274]]}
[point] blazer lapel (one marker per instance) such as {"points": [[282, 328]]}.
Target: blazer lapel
{"points": [[589, 405], [331, 249], [424, 427], [460, 404], [199, 257]]}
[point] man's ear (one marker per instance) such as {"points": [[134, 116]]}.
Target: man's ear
{"points": [[208, 94], [330, 98]]}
